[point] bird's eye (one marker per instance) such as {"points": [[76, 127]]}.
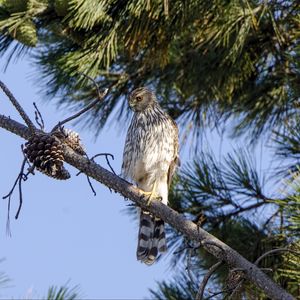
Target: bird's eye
{"points": [[139, 98]]}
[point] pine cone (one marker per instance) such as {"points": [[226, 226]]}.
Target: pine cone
{"points": [[45, 153], [72, 139]]}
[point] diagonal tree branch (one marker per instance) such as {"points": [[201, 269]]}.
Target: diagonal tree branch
{"points": [[193, 232], [18, 107]]}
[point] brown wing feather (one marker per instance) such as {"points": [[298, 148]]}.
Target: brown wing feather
{"points": [[175, 162]]}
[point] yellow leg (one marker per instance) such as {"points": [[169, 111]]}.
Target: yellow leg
{"points": [[152, 195]]}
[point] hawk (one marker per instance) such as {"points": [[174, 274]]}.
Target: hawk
{"points": [[150, 158]]}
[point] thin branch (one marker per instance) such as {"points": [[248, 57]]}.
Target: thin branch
{"points": [[216, 294], [170, 216], [20, 193], [85, 109], [108, 163], [8, 231], [188, 246], [21, 177], [107, 160], [242, 209], [270, 218], [275, 251], [38, 117], [205, 279], [91, 186], [89, 182], [18, 181], [94, 82], [17, 105]]}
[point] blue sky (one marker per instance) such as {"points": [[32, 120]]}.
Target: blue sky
{"points": [[64, 233]]}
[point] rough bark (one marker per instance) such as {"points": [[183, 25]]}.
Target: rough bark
{"points": [[193, 232]]}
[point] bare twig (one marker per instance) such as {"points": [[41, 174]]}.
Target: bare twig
{"points": [[270, 218], [267, 269], [108, 163], [157, 208], [8, 231], [38, 117], [107, 160], [205, 279], [17, 105], [188, 246], [275, 251], [216, 294], [94, 82], [90, 183], [18, 180], [21, 177], [243, 209], [85, 109]]}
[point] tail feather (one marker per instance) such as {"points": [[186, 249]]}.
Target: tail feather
{"points": [[151, 239]]}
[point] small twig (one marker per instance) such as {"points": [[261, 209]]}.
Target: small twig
{"points": [[90, 183], [107, 160], [188, 246], [275, 251], [267, 269], [270, 218], [20, 194], [217, 293], [8, 231], [92, 104], [21, 176], [17, 105], [92, 159], [206, 277], [38, 117], [91, 186]]}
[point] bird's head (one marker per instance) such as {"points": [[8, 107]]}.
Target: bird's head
{"points": [[140, 99]]}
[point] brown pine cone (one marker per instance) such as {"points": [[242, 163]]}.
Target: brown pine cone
{"points": [[45, 153]]}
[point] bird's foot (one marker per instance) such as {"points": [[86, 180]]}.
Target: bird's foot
{"points": [[151, 196]]}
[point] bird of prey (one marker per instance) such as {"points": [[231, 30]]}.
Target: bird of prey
{"points": [[149, 160]]}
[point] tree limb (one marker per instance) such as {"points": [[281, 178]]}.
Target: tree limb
{"points": [[178, 221]]}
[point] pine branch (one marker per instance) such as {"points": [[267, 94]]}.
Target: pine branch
{"points": [[211, 244]]}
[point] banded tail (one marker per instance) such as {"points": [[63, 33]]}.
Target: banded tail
{"points": [[151, 239]]}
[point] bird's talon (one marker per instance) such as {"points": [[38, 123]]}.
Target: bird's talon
{"points": [[149, 201], [155, 197]]}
